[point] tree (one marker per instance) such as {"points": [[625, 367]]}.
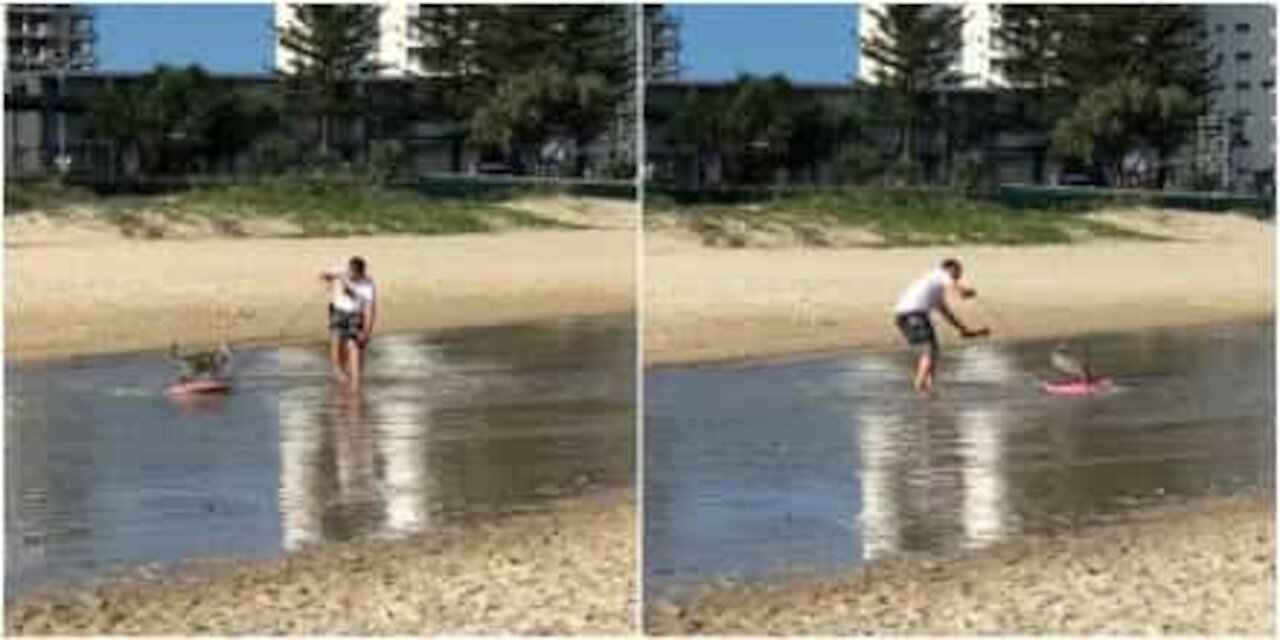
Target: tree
{"points": [[530, 108], [474, 54], [330, 46], [176, 121], [914, 52], [1104, 53], [695, 129], [1120, 123]]}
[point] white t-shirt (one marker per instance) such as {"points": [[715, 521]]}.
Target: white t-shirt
{"points": [[925, 294], [359, 298]]}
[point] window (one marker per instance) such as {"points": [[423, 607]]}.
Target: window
{"points": [[1243, 56], [1219, 28], [1242, 27], [1268, 84], [1242, 85]]}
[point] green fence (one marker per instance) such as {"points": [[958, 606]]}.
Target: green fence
{"points": [[463, 186], [1082, 198]]}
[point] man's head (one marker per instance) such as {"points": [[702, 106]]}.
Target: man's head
{"points": [[356, 266], [952, 266]]}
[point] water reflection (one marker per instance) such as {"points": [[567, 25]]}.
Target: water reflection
{"points": [[102, 471], [742, 464]]}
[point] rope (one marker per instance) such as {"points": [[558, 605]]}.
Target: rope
{"points": [[990, 313]]}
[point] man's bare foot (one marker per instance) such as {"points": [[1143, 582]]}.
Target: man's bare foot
{"points": [[340, 375]]}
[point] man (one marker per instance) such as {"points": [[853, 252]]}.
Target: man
{"points": [[352, 311], [911, 315]]}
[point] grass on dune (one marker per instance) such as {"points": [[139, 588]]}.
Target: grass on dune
{"points": [[320, 208], [905, 217], [314, 207]]}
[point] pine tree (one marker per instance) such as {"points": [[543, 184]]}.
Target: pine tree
{"points": [[486, 58], [914, 50], [331, 47]]}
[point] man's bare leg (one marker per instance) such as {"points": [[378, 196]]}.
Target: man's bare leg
{"points": [[355, 362], [924, 373], [336, 357]]}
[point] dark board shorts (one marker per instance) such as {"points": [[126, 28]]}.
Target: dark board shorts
{"points": [[917, 329], [346, 325]]}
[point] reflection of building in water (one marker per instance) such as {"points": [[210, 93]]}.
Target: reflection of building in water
{"points": [[985, 511], [356, 463], [301, 449], [402, 419], [890, 449], [932, 474]]}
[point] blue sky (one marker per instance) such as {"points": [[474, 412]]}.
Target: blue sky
{"points": [[223, 38], [808, 43]]}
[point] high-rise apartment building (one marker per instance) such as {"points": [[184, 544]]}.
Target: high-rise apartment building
{"points": [[47, 37], [1237, 138], [978, 51], [398, 39], [661, 44], [1242, 109]]}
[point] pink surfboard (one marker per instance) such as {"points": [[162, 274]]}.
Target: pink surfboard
{"points": [[197, 387], [1077, 387]]}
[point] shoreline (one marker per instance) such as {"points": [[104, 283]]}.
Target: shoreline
{"points": [[121, 296], [1203, 566], [790, 353], [713, 305], [567, 570]]}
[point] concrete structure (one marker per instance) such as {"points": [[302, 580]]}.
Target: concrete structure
{"points": [[1238, 139], [49, 37], [661, 44], [978, 51]]}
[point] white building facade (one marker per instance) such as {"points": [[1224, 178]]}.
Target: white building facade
{"points": [[1243, 109], [978, 51], [398, 39]]}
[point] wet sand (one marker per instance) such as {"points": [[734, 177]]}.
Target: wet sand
{"points": [[569, 571], [1206, 567], [708, 304], [78, 288]]}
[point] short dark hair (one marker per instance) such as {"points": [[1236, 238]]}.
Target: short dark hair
{"points": [[356, 264], [950, 264]]}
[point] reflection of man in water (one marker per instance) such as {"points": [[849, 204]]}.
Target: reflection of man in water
{"points": [[352, 311], [911, 315]]}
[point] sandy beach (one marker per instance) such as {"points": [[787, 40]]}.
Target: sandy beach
{"points": [[707, 304], [77, 288], [1206, 567], [569, 571]]}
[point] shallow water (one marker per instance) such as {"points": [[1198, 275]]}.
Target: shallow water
{"points": [[756, 471], [103, 472]]}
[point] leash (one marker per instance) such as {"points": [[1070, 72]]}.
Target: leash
{"points": [[990, 313]]}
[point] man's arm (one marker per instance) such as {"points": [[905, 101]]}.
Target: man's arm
{"points": [[955, 322], [963, 291]]}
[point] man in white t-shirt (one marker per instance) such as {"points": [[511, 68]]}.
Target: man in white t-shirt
{"points": [[911, 315], [352, 311]]}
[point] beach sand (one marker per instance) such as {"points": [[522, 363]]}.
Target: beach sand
{"points": [[707, 304], [568, 571], [1206, 567], [74, 286], [78, 287]]}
